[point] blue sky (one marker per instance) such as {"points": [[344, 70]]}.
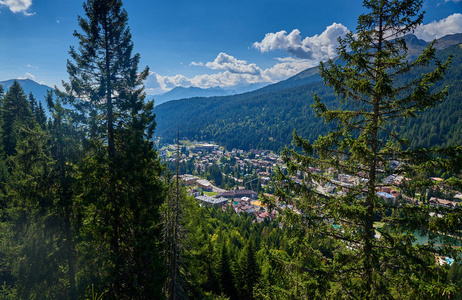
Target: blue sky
{"points": [[205, 43]]}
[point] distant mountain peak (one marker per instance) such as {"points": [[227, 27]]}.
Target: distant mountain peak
{"points": [[195, 92], [411, 39]]}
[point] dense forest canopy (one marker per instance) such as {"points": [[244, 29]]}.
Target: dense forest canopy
{"points": [[89, 211]]}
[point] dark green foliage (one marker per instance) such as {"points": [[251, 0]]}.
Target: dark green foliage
{"points": [[440, 125], [37, 110], [227, 284], [216, 175], [226, 254], [80, 194], [455, 277], [374, 90], [120, 186], [174, 236], [66, 150], [38, 211], [266, 121], [247, 272], [16, 113], [33, 222]]}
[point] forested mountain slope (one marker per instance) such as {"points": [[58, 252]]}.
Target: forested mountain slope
{"points": [[441, 125], [266, 118]]}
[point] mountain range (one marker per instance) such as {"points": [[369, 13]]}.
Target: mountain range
{"points": [[194, 92], [265, 118]]}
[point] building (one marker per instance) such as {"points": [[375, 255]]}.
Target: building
{"points": [[210, 201], [387, 197], [190, 179], [203, 184], [238, 194], [203, 148], [441, 202]]}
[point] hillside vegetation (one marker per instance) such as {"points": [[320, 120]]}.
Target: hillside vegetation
{"points": [[266, 120]]}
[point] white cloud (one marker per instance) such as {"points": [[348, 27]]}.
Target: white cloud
{"points": [[28, 76], [229, 63], [200, 64], [305, 53], [238, 72], [318, 47], [434, 30], [453, 1], [17, 6], [287, 68]]}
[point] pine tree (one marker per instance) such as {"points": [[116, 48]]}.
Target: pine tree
{"points": [[16, 113], [5, 272], [36, 212], [40, 116], [37, 111], [32, 103], [174, 235], [31, 225], [248, 272], [65, 150], [226, 275], [369, 264], [2, 99], [121, 186]]}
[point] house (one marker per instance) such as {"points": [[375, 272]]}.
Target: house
{"points": [[386, 189], [210, 201], [203, 184], [189, 179], [441, 202], [194, 192], [387, 197], [238, 194], [244, 207], [203, 148], [261, 216]]}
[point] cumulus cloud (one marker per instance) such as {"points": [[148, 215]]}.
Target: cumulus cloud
{"points": [[17, 6], [318, 47], [287, 68], [304, 53], [200, 64], [434, 30], [28, 76], [236, 73], [229, 63]]}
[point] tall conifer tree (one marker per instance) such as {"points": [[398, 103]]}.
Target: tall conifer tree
{"points": [[37, 199], [120, 173], [369, 264], [16, 113]]}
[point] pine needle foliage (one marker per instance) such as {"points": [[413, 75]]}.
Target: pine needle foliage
{"points": [[174, 235], [368, 263], [120, 181]]}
